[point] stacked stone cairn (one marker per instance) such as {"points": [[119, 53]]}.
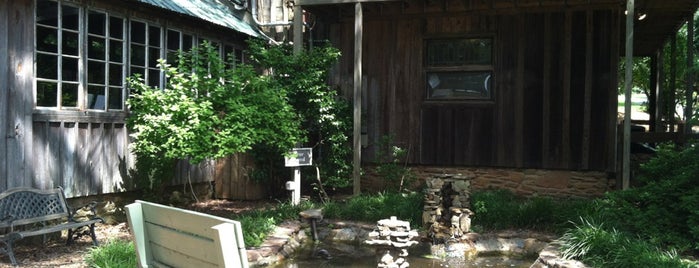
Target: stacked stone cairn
{"points": [[446, 211], [391, 238]]}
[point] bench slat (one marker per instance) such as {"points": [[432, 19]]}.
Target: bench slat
{"points": [[168, 239], [163, 256], [56, 228], [186, 221], [180, 238]]}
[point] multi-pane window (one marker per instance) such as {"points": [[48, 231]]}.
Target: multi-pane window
{"points": [[83, 56], [459, 68], [57, 55]]}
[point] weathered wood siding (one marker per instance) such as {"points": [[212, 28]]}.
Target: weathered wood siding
{"points": [[16, 104], [554, 102]]}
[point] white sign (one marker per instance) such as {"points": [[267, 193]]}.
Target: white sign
{"points": [[299, 157]]}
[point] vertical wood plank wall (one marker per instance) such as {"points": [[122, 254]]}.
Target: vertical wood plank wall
{"points": [[554, 91]]}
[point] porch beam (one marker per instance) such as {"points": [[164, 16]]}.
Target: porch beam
{"points": [[332, 2]]}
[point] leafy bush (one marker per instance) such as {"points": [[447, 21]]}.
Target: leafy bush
{"points": [[392, 166], [113, 254], [208, 110], [599, 246], [325, 116], [663, 209]]}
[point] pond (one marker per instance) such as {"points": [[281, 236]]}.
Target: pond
{"points": [[362, 256]]}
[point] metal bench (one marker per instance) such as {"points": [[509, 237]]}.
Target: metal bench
{"points": [[26, 212], [170, 237]]}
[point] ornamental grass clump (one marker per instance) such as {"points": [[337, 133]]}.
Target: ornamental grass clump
{"points": [[600, 246], [115, 253]]}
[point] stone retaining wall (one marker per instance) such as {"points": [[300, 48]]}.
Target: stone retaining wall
{"points": [[525, 182]]}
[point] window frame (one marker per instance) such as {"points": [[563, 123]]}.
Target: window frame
{"points": [[464, 67]]}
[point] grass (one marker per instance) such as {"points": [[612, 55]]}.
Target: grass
{"points": [[371, 208], [501, 209], [115, 253], [599, 246]]}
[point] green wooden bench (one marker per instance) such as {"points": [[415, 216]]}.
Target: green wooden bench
{"points": [[26, 212], [170, 237]]}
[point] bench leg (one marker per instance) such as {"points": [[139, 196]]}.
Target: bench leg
{"points": [[10, 251], [74, 233]]}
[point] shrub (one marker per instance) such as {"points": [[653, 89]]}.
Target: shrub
{"points": [[115, 253], [599, 246], [663, 209]]}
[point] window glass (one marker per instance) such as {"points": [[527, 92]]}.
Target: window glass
{"points": [[95, 72], [116, 51], [69, 94], [138, 32], [96, 47], [116, 27], [46, 94], [116, 74], [70, 17], [46, 66], [187, 41], [459, 84], [96, 23], [95, 98], [116, 98], [47, 39], [459, 68], [70, 43], [69, 70], [47, 13], [454, 52]]}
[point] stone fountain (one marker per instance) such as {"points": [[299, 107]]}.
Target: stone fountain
{"points": [[447, 215], [391, 239]]}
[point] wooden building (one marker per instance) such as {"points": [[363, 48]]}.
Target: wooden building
{"points": [[63, 66], [516, 86]]}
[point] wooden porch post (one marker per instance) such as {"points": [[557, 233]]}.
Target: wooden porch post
{"points": [[688, 110], [661, 104], [652, 91], [626, 161], [357, 157], [673, 87]]}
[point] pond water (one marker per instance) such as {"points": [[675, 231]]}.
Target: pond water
{"points": [[362, 256]]}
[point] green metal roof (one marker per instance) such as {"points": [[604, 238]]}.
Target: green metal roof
{"points": [[219, 12]]}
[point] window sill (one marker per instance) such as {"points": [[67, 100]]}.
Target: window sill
{"points": [[460, 102], [45, 115]]}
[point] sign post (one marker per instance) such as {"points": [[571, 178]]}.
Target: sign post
{"points": [[297, 158]]}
